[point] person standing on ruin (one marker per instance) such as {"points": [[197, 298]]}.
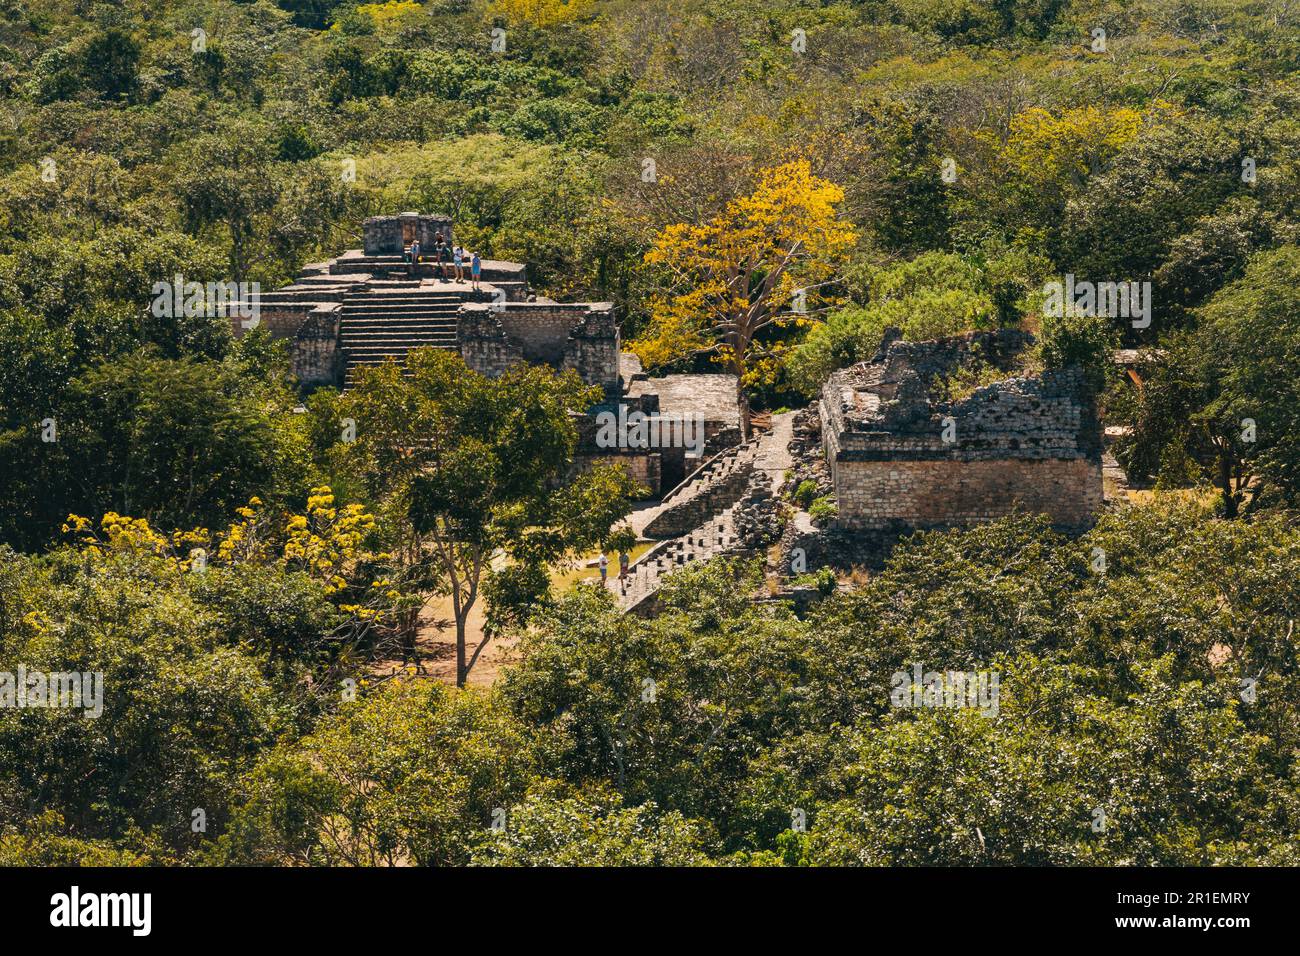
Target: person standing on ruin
{"points": [[440, 255], [475, 269], [458, 261], [413, 267], [604, 570], [622, 571]]}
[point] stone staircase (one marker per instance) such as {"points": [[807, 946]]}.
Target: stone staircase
{"points": [[645, 576], [697, 518], [387, 319], [714, 486]]}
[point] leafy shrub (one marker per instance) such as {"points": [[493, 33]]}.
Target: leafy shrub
{"points": [[805, 493], [824, 510]]}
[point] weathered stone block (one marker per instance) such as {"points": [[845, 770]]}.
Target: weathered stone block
{"points": [[901, 456]]}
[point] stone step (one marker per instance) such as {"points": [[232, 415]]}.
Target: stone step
{"points": [[343, 280], [405, 296], [399, 328], [303, 291], [404, 322], [362, 319], [719, 466], [393, 315], [370, 360], [380, 288], [399, 352], [402, 305], [396, 345], [350, 381], [366, 360], [396, 335], [404, 301], [399, 289], [645, 577], [367, 353], [397, 321], [398, 308]]}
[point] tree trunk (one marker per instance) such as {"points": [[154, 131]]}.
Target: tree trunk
{"points": [[742, 403], [1225, 485], [408, 625], [461, 670]]}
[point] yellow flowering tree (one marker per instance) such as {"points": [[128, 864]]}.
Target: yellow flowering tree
{"points": [[542, 13], [326, 542], [385, 16], [763, 263], [1043, 148]]}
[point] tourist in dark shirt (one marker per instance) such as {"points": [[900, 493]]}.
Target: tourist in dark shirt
{"points": [[439, 247]]}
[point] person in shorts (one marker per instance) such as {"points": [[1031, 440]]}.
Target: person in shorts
{"points": [[444, 260], [439, 247]]}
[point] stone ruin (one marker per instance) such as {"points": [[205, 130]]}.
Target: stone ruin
{"points": [[581, 336], [369, 305], [898, 446], [903, 455], [393, 235], [904, 442]]}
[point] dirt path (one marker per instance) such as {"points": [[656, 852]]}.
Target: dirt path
{"points": [[435, 643]]}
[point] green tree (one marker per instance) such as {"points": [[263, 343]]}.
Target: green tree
{"points": [[411, 773], [546, 831], [181, 442], [1061, 775], [111, 63], [183, 712], [476, 476], [1226, 391]]}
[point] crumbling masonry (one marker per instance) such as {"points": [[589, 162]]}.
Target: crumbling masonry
{"points": [[371, 305], [902, 456]]}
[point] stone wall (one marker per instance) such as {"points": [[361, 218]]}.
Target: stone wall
{"points": [[388, 235], [917, 494], [1034, 417], [540, 331], [903, 455], [695, 509], [643, 467], [483, 342], [591, 348], [312, 329], [580, 336], [315, 356]]}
